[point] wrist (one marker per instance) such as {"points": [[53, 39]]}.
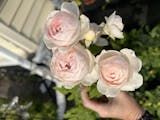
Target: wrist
{"points": [[139, 114], [135, 115]]}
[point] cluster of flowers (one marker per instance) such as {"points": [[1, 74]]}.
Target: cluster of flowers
{"points": [[74, 64]]}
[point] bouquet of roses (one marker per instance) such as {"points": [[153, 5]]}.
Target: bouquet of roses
{"points": [[69, 35]]}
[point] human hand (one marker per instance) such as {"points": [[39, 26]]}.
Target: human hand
{"points": [[123, 106]]}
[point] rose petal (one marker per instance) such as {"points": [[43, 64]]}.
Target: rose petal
{"points": [[106, 30], [104, 55], [116, 32], [95, 27], [48, 42], [76, 37], [70, 7], [87, 43], [70, 85], [101, 42], [118, 22], [52, 14], [135, 82], [115, 20], [111, 18], [107, 90], [91, 60], [84, 20], [90, 78], [134, 61]]}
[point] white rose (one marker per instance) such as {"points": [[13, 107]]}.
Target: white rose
{"points": [[114, 26]]}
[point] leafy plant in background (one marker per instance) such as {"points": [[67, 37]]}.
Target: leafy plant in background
{"points": [[76, 110], [150, 101], [15, 110], [42, 111]]}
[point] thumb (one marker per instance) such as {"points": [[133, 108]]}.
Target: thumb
{"points": [[100, 108]]}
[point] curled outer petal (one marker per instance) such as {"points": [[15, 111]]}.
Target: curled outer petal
{"points": [[70, 7]]}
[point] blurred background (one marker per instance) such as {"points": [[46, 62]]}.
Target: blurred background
{"points": [[26, 86]]}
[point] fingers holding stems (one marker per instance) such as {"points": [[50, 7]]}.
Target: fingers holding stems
{"points": [[123, 106]]}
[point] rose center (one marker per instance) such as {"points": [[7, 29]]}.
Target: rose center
{"points": [[56, 28], [65, 66], [68, 66], [112, 75], [111, 72], [114, 70]]}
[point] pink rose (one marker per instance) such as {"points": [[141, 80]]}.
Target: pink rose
{"points": [[73, 66], [63, 27], [118, 71]]}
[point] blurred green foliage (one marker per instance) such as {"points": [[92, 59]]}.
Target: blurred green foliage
{"points": [[150, 100], [77, 111], [38, 111], [43, 111]]}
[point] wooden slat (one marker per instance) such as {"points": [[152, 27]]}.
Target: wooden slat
{"points": [[17, 39], [22, 14], [37, 32], [5, 62], [9, 11], [13, 48], [32, 18], [2, 4]]}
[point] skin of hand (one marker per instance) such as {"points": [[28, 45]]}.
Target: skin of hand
{"points": [[123, 106]]}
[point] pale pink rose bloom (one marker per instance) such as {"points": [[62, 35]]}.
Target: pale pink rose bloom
{"points": [[73, 66], [62, 27], [118, 71], [114, 26]]}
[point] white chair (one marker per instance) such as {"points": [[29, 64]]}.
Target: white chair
{"points": [[21, 31]]}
